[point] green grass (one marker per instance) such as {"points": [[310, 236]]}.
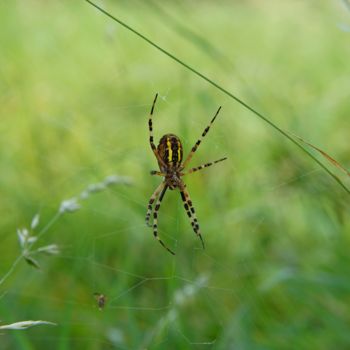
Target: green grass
{"points": [[76, 90]]}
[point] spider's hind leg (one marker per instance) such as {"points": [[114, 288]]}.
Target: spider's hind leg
{"points": [[151, 201], [191, 213], [155, 219]]}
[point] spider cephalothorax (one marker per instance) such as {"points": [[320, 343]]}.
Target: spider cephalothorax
{"points": [[169, 154]]}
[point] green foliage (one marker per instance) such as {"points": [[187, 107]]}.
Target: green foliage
{"points": [[75, 92]]}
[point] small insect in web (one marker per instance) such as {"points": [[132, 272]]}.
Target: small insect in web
{"points": [[169, 154], [101, 300]]}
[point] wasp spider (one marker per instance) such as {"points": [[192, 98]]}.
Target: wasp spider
{"points": [[169, 156]]}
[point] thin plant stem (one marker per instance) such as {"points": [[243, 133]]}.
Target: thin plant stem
{"points": [[12, 268], [19, 258], [49, 224], [222, 89]]}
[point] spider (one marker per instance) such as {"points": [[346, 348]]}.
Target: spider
{"points": [[169, 156]]}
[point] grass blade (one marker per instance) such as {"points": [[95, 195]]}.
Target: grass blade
{"points": [[222, 89], [325, 155]]}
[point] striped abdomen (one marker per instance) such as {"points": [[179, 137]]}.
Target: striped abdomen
{"points": [[170, 150]]}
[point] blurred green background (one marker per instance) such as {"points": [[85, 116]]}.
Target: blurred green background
{"points": [[76, 90]]}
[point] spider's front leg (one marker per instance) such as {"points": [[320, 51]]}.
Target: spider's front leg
{"points": [[150, 128], [206, 165], [156, 172], [194, 148], [151, 138]]}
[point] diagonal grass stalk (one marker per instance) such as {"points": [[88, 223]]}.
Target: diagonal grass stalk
{"points": [[225, 91]]}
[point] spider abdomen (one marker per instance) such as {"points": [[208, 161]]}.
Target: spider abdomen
{"points": [[170, 150]]}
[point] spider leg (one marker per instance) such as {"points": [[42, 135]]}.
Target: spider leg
{"points": [[150, 127], [151, 138], [158, 173], [151, 201], [194, 148], [197, 168], [191, 213], [155, 219]]}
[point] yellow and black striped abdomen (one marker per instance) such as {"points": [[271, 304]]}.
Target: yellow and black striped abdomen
{"points": [[170, 150]]}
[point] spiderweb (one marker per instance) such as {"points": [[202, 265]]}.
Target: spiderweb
{"points": [[274, 272]]}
